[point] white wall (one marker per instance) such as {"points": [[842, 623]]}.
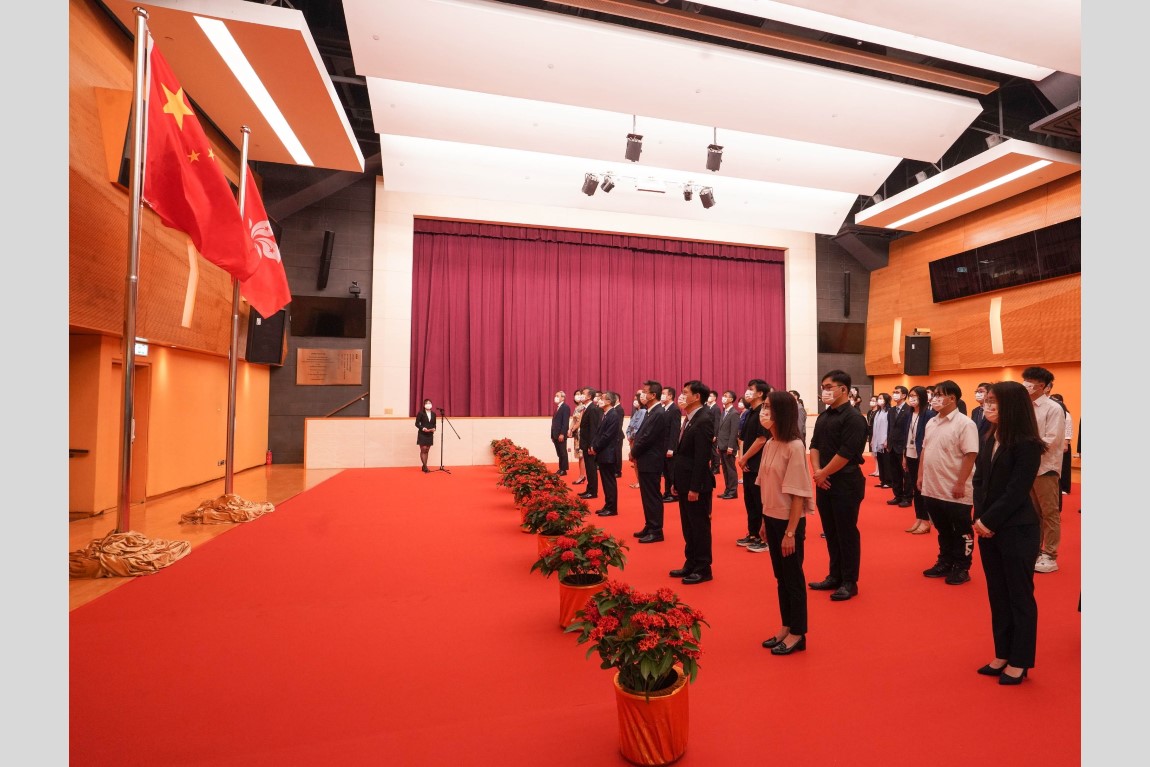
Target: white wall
{"points": [[326, 446]]}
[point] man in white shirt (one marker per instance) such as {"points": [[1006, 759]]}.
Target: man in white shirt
{"points": [[945, 480], [1045, 493]]}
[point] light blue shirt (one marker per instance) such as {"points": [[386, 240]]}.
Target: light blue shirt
{"points": [[635, 422]]}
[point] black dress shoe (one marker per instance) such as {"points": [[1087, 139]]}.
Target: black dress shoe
{"points": [[782, 649], [882, 485], [681, 572], [641, 533], [894, 501], [562, 472], [826, 584], [579, 481], [845, 592], [694, 578], [904, 504], [651, 538], [588, 495], [989, 670], [670, 498], [1005, 678], [769, 643], [607, 513]]}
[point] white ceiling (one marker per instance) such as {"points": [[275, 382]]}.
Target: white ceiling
{"points": [[479, 98]]}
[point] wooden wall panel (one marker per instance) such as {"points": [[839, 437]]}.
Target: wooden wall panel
{"points": [[1041, 323]]}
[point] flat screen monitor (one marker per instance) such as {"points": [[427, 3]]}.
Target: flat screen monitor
{"points": [[842, 337], [328, 316]]}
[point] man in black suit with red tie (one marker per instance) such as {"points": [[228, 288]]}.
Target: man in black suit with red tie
{"points": [[607, 447], [588, 427], [559, 423], [649, 454], [695, 483]]}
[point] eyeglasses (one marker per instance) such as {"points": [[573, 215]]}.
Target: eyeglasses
{"points": [[831, 386]]}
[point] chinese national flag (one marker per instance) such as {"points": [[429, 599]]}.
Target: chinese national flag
{"points": [[183, 183], [267, 289]]}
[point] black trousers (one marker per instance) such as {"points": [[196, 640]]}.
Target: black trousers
{"points": [[716, 460], [561, 451], [1064, 478], [955, 530], [592, 467], [789, 573], [838, 508], [652, 501], [695, 517], [897, 475], [883, 462], [668, 480], [753, 501], [607, 472], [1008, 565], [730, 473], [912, 482]]}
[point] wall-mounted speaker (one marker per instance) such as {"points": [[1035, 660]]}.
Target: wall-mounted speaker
{"points": [[846, 294], [325, 259], [916, 356], [267, 338]]}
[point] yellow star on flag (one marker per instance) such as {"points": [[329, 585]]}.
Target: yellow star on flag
{"points": [[176, 106], [194, 157]]}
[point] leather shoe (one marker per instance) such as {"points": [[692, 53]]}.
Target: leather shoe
{"points": [[1005, 678], [562, 472], [844, 592], [579, 481], [681, 572], [641, 533], [588, 495], [989, 670], [904, 504], [826, 584], [769, 643], [694, 578], [651, 538], [782, 649], [882, 485], [607, 513], [894, 501], [670, 498]]}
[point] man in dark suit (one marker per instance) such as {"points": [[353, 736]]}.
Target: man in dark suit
{"points": [[607, 448], [898, 427], [727, 443], [588, 428], [559, 422], [695, 483], [673, 419], [648, 453], [716, 412]]}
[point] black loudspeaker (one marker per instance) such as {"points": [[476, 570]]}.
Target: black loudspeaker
{"points": [[325, 259], [846, 294], [916, 356], [267, 338]]}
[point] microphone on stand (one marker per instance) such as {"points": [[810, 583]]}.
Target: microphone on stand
{"points": [[440, 410]]}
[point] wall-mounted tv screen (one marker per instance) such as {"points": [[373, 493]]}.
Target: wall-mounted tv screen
{"points": [[328, 316], [842, 338]]}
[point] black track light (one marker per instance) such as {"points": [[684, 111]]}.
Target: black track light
{"points": [[688, 192], [707, 197], [608, 183], [634, 147], [590, 183], [714, 156]]}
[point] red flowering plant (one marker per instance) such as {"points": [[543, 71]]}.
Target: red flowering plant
{"points": [[642, 635], [581, 557], [553, 512]]}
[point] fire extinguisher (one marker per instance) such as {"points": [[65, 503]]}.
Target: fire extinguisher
{"points": [[268, 460]]}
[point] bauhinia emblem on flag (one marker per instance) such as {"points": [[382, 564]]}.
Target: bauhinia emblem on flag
{"points": [[183, 182], [267, 289]]}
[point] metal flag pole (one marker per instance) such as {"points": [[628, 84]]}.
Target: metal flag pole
{"points": [[139, 119], [233, 355]]}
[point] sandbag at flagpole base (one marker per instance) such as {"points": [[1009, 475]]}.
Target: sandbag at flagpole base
{"points": [[225, 510], [125, 554]]}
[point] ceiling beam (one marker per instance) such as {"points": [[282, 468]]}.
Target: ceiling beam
{"points": [[780, 41], [337, 181]]}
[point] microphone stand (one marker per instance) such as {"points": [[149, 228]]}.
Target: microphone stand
{"points": [[443, 415]]}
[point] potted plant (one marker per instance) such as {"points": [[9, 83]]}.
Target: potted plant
{"points": [[552, 512], [580, 558], [652, 641]]}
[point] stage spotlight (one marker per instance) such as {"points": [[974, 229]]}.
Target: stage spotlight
{"points": [[608, 183], [707, 197], [634, 146], [590, 183], [688, 192], [994, 140], [921, 176], [714, 156]]}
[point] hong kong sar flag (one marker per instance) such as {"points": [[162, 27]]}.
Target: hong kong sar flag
{"points": [[183, 182], [267, 289]]}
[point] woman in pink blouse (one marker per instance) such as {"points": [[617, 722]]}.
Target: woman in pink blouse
{"points": [[788, 496]]}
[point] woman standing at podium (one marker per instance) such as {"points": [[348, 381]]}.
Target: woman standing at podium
{"points": [[425, 426]]}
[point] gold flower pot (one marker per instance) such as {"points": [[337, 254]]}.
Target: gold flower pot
{"points": [[653, 731], [572, 598]]}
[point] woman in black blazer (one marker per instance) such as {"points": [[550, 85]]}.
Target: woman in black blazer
{"points": [[1007, 527], [425, 426]]}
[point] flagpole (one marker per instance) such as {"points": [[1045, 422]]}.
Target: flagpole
{"points": [[139, 119], [233, 357]]}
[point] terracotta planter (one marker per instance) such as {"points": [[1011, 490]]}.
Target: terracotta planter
{"points": [[653, 731], [545, 542], [572, 598]]}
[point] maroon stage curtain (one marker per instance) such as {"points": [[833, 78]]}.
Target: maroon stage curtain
{"points": [[505, 316]]}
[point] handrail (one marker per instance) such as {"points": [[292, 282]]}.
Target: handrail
{"points": [[349, 404]]}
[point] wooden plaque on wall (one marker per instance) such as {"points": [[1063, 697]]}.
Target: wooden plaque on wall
{"points": [[329, 367]]}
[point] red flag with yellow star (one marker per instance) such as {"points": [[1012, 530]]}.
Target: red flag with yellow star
{"points": [[184, 183], [267, 290]]}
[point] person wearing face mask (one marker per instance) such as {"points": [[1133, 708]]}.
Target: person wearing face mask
{"points": [[695, 484], [588, 427], [976, 415], [878, 440], [425, 432], [674, 417], [949, 449], [638, 413], [870, 415], [1045, 493], [573, 435], [803, 413], [727, 443], [754, 435], [715, 412], [607, 447], [836, 455], [898, 425], [1008, 528], [559, 421], [920, 414], [648, 455]]}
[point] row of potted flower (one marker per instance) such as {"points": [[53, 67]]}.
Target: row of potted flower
{"points": [[650, 639]]}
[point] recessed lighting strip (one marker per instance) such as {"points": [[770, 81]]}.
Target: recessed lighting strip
{"points": [[1039, 165], [217, 32]]}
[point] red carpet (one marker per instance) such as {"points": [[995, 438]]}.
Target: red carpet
{"points": [[387, 617]]}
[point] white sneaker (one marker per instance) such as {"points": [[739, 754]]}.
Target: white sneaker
{"points": [[1045, 564]]}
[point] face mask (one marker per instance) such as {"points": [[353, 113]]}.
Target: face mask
{"points": [[765, 419], [978, 396], [682, 401], [936, 403], [912, 401], [558, 400], [748, 395], [1030, 387], [636, 404], [427, 406], [828, 396], [990, 412], [873, 402], [896, 396]]}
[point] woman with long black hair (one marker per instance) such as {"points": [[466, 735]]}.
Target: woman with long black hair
{"points": [[920, 413], [425, 426], [1007, 526]]}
